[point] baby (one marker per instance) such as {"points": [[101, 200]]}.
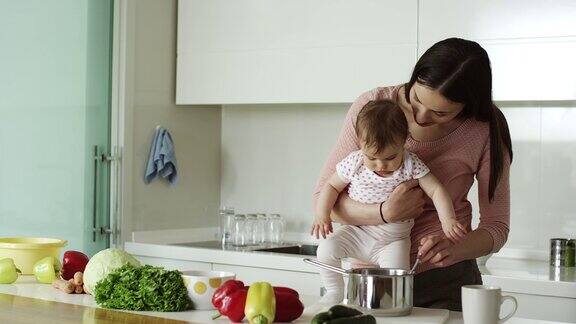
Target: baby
{"points": [[372, 173]]}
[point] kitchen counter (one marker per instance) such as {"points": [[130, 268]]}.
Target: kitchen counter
{"points": [[27, 301]]}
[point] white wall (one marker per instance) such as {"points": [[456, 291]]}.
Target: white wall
{"points": [[272, 154], [271, 157], [194, 200], [543, 174]]}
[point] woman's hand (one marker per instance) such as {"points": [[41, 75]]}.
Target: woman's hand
{"points": [[438, 250], [405, 202]]}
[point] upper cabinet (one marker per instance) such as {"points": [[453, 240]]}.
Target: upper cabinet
{"points": [[322, 51], [531, 43], [297, 51]]}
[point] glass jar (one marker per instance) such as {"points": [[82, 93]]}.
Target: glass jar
{"points": [[226, 215], [276, 228], [250, 229], [261, 230], [239, 231]]}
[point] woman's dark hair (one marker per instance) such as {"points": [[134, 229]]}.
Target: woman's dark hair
{"points": [[460, 70], [381, 123]]}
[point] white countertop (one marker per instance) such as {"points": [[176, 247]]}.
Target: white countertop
{"points": [[27, 286], [529, 276]]}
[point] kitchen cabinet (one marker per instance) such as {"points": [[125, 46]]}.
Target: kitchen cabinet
{"points": [[174, 264], [531, 44], [260, 51], [305, 283], [538, 298], [495, 19], [542, 307]]}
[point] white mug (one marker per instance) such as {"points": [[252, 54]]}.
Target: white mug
{"points": [[481, 304]]}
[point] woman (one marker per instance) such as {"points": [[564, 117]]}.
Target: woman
{"points": [[456, 129]]}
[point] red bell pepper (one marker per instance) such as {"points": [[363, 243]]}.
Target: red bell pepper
{"points": [[286, 290], [230, 299], [225, 289], [288, 305], [233, 305]]}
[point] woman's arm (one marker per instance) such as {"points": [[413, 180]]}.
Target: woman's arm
{"points": [[350, 212], [495, 214], [405, 202], [492, 232]]}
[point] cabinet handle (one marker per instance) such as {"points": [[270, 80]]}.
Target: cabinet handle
{"points": [[95, 194]]}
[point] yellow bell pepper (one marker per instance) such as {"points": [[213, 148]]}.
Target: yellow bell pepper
{"points": [[260, 303]]}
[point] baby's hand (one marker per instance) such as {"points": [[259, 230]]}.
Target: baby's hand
{"points": [[454, 230], [322, 226]]}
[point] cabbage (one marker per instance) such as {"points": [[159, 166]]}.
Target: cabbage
{"points": [[102, 263]]}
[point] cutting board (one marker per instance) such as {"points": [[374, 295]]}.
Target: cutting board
{"points": [[418, 315]]}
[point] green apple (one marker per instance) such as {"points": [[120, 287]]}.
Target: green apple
{"points": [[47, 269], [8, 271]]}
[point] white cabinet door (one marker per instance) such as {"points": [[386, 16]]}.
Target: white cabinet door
{"points": [[533, 70], [173, 264], [304, 282], [556, 309], [298, 51], [487, 20], [531, 44]]}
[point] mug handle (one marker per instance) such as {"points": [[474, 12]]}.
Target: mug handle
{"points": [[507, 317]]}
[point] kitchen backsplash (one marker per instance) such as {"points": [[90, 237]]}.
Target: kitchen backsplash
{"points": [[272, 155]]}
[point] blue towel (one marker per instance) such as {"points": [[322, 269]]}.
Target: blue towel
{"points": [[162, 159]]}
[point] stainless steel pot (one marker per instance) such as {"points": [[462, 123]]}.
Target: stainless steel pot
{"points": [[376, 291]]}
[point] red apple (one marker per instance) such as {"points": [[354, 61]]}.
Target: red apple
{"points": [[73, 262]]}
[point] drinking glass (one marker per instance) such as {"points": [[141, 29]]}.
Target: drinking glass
{"points": [[276, 227], [250, 229], [239, 231], [261, 231], [226, 223]]}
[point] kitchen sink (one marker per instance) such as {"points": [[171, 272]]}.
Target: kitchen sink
{"points": [[294, 248], [301, 249]]}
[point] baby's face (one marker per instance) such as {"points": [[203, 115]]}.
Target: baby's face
{"points": [[385, 162]]}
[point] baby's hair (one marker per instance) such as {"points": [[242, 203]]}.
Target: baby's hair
{"points": [[381, 123]]}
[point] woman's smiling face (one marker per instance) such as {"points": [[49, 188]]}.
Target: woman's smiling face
{"points": [[429, 107]]}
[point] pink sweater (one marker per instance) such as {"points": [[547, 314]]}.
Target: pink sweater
{"points": [[454, 159]]}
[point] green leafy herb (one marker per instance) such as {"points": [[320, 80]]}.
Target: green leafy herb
{"points": [[145, 288]]}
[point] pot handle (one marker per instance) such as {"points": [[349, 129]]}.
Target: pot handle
{"points": [[326, 266]]}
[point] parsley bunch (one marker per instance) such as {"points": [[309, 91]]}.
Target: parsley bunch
{"points": [[145, 288]]}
